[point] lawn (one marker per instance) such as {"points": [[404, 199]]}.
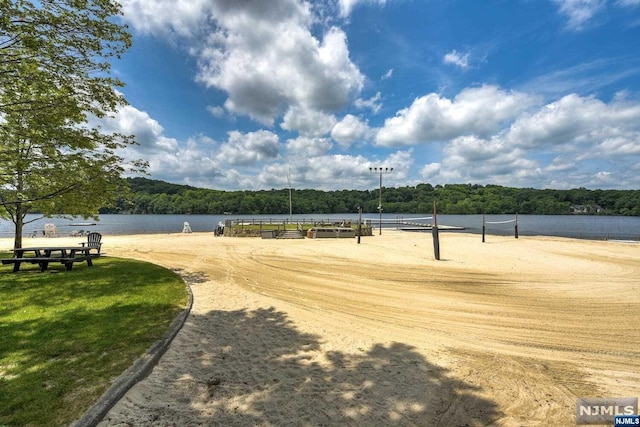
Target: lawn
{"points": [[65, 336]]}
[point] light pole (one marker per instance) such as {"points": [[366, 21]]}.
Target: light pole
{"points": [[380, 171], [290, 208]]}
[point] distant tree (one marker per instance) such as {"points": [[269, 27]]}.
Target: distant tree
{"points": [[159, 197], [55, 75]]}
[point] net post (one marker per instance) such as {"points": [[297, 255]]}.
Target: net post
{"points": [[483, 227], [516, 227], [434, 232], [359, 223]]}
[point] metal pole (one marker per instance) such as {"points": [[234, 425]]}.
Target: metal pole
{"points": [[290, 205], [380, 204], [380, 171]]}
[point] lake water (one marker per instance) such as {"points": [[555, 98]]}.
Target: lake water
{"points": [[579, 226]]}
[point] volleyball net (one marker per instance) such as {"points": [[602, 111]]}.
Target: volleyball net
{"points": [[498, 227], [397, 220], [502, 228]]}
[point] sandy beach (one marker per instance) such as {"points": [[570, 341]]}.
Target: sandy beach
{"points": [[326, 332]]}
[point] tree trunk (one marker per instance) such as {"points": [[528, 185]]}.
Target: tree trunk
{"points": [[17, 242], [18, 221]]}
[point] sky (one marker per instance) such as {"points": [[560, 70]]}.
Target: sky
{"points": [[257, 94]]}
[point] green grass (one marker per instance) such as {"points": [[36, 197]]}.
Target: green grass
{"points": [[64, 336]]}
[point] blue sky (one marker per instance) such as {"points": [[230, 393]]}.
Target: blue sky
{"points": [[241, 95]]}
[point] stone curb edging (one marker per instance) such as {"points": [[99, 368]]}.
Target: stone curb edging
{"points": [[140, 369]]}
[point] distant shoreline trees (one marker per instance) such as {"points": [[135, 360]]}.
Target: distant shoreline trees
{"points": [[158, 197]]}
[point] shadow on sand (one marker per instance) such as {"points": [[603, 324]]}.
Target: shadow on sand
{"points": [[255, 368]]}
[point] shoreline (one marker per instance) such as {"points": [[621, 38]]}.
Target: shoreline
{"points": [[576, 226], [6, 243]]}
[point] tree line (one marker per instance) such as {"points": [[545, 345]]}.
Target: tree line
{"points": [[157, 197]]}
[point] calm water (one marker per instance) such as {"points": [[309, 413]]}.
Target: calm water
{"points": [[588, 227]]}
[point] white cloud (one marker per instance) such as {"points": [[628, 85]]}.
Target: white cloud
{"points": [[308, 147], [430, 172], [476, 160], [574, 137], [183, 18], [579, 12], [575, 123], [265, 66], [149, 134], [350, 130], [262, 54], [323, 172], [456, 58], [248, 148], [306, 122], [372, 103], [189, 160], [628, 3], [581, 78], [168, 158], [333, 172], [620, 145], [387, 75], [401, 162], [473, 111], [480, 160], [347, 6], [216, 111]]}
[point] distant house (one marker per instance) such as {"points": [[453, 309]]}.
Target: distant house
{"points": [[585, 209]]}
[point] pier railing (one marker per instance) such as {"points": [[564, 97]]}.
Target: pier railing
{"points": [[246, 227]]}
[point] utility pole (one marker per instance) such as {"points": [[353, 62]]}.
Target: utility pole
{"points": [[290, 205]]}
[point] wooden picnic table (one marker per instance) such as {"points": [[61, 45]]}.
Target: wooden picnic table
{"points": [[43, 255]]}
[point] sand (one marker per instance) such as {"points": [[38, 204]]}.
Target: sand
{"points": [[327, 332]]}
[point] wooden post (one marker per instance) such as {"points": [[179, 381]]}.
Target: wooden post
{"points": [[434, 232], [516, 228], [483, 227], [359, 223]]}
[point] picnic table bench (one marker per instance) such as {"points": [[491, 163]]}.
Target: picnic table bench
{"points": [[43, 256]]}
